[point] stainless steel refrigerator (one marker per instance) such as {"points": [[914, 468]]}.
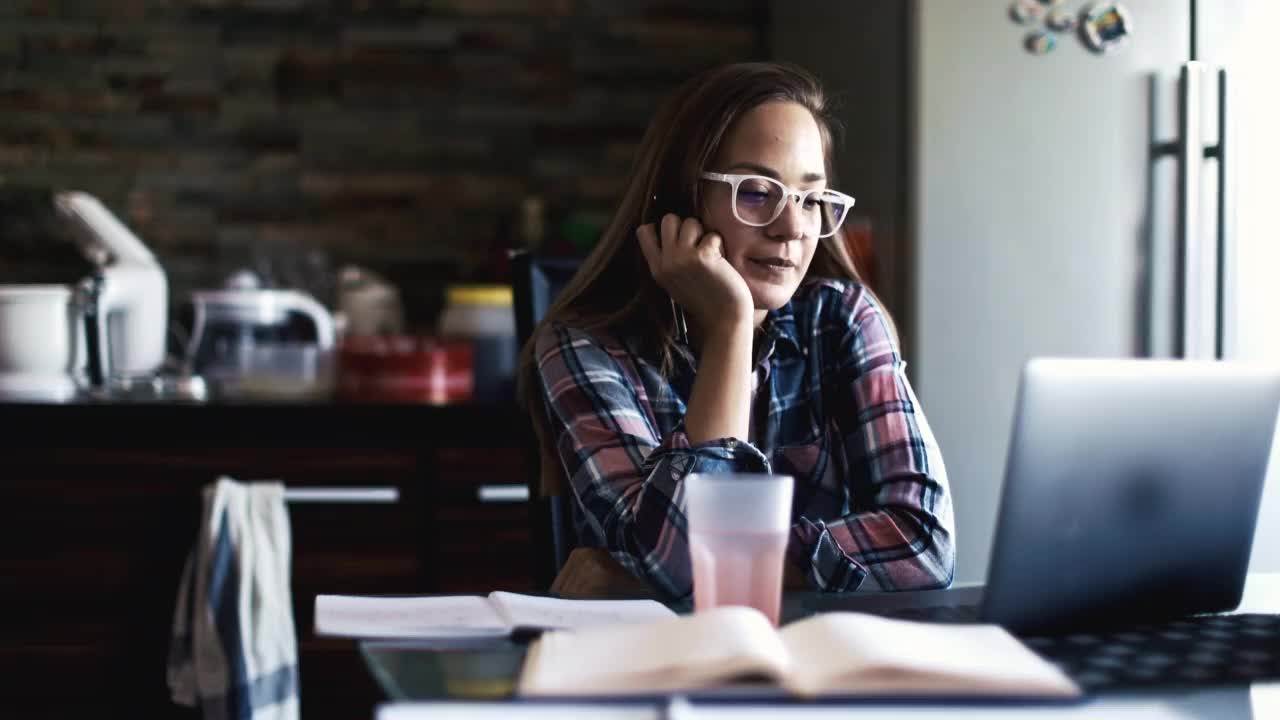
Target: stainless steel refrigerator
{"points": [[1087, 203], [1070, 203]]}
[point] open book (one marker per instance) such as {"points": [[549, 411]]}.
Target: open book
{"points": [[447, 616], [827, 654]]}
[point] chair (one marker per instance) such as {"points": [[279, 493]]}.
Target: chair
{"points": [[535, 283]]}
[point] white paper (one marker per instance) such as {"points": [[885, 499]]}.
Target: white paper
{"points": [[552, 613], [1113, 710], [407, 617], [900, 711], [471, 615], [507, 711]]}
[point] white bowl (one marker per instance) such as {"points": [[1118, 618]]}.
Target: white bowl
{"points": [[36, 329]]}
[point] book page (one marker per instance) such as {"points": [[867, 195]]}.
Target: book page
{"points": [[1122, 708], [553, 613], [856, 653], [690, 652], [406, 617]]}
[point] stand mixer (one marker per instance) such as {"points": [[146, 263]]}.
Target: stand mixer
{"points": [[61, 341]]}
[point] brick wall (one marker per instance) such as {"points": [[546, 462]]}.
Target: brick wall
{"points": [[294, 135]]}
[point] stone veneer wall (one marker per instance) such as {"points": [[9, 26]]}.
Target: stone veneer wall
{"points": [[295, 135]]}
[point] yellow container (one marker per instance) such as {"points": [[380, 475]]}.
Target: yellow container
{"points": [[486, 295]]}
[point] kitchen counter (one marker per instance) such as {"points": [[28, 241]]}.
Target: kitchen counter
{"points": [[242, 424]]}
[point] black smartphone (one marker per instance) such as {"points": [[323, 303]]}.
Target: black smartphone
{"points": [[659, 209]]}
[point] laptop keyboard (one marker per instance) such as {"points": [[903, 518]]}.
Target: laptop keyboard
{"points": [[1201, 650], [937, 613]]}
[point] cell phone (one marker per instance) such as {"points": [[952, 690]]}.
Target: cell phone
{"points": [[658, 210]]}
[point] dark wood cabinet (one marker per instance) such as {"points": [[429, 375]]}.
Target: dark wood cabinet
{"points": [[99, 507]]}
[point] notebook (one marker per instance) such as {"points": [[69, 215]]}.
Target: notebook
{"points": [[829, 654], [498, 614]]}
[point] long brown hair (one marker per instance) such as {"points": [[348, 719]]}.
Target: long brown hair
{"points": [[614, 291]]}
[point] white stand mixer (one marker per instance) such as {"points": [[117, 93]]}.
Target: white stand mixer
{"points": [[45, 341]]}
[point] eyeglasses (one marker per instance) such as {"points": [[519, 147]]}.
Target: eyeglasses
{"points": [[759, 200]]}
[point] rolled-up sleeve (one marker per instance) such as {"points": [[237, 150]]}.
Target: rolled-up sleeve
{"points": [[899, 532], [624, 474]]}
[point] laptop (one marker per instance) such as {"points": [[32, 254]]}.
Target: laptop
{"points": [[1131, 493]]}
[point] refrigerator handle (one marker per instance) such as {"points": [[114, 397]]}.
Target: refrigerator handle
{"points": [[1189, 274], [1219, 152]]}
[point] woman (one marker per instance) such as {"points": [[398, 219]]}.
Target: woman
{"points": [[720, 325]]}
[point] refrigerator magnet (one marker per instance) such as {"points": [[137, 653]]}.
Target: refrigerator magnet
{"points": [[1026, 12], [1061, 20], [1039, 43], [1105, 26]]}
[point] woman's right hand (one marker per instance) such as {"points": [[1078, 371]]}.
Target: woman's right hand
{"points": [[689, 263]]}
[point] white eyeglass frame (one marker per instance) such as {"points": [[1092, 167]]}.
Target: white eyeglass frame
{"points": [[735, 179]]}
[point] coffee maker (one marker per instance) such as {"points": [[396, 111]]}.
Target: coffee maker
{"points": [[250, 342], [94, 319]]}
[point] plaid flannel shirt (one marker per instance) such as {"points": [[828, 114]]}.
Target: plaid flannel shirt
{"points": [[833, 408]]}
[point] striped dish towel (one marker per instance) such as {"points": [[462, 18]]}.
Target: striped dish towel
{"points": [[233, 650]]}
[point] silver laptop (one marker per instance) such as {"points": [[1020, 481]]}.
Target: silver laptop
{"points": [[1131, 492]]}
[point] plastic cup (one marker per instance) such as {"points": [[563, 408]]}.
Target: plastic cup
{"points": [[738, 529]]}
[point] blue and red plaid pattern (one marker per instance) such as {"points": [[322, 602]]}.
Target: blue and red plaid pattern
{"points": [[833, 408]]}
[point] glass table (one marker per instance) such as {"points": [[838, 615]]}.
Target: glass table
{"points": [[486, 669]]}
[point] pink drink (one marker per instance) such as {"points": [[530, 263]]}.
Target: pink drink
{"points": [[738, 568], [738, 527]]}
